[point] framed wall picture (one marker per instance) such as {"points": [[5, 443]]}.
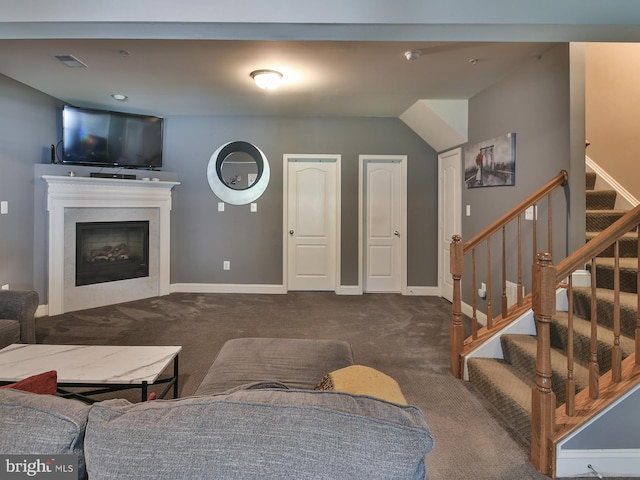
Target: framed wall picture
{"points": [[491, 163]]}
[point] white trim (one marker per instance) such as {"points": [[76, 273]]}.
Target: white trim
{"points": [[608, 463], [337, 158], [226, 288], [457, 221], [468, 311], [620, 190], [403, 216], [423, 291], [349, 290], [42, 311]]}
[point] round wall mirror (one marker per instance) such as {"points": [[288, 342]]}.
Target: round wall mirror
{"points": [[238, 172]]}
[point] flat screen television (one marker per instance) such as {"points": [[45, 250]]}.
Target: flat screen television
{"points": [[111, 139]]}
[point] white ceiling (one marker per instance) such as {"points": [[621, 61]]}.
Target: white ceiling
{"points": [[211, 77]]}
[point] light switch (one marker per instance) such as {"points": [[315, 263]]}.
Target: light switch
{"points": [[4, 207], [254, 207], [468, 210], [221, 206]]}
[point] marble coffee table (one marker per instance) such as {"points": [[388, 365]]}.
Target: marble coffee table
{"points": [[99, 368]]}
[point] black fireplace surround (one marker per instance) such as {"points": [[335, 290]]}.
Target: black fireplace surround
{"points": [[111, 251]]}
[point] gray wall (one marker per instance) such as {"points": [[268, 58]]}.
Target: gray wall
{"points": [[203, 237], [534, 103], [27, 129]]}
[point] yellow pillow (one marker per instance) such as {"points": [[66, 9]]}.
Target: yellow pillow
{"points": [[362, 380]]}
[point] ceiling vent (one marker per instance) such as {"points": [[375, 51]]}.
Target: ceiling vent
{"points": [[71, 61]]}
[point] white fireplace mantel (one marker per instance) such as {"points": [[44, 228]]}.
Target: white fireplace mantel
{"points": [[99, 195]]}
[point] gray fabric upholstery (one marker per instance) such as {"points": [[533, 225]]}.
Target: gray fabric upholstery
{"points": [[19, 306], [257, 434], [298, 363], [9, 332], [32, 424]]}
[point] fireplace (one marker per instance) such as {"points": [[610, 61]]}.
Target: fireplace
{"points": [[114, 212], [111, 251]]}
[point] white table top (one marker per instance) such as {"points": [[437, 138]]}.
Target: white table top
{"points": [[86, 363]]}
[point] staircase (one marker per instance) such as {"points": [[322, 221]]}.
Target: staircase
{"points": [[507, 383]]}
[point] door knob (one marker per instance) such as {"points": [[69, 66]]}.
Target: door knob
{"points": [[396, 233], [291, 232]]}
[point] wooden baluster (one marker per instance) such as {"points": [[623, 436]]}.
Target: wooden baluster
{"points": [[504, 273], [534, 234], [457, 332], [520, 261], [570, 384], [543, 400], [594, 367], [489, 305], [616, 352], [474, 302], [638, 299], [550, 227]]}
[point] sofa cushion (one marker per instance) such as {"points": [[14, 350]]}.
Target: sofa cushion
{"points": [[44, 383], [257, 434], [33, 424], [298, 363]]}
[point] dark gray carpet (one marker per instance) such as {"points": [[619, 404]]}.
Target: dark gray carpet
{"points": [[406, 337]]}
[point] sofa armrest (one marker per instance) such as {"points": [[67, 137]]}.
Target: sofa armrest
{"points": [[20, 306]]}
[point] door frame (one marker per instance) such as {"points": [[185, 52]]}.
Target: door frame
{"points": [[403, 217], [337, 159], [458, 220]]}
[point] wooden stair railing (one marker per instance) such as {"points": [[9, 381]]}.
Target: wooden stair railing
{"points": [[548, 424], [458, 252]]}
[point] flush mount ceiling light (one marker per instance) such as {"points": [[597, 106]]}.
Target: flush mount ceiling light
{"points": [[267, 79], [119, 96], [412, 54]]}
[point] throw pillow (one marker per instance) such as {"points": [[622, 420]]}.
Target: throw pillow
{"points": [[362, 380], [44, 383]]}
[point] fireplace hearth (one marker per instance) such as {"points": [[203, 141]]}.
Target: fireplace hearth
{"points": [[111, 251]]}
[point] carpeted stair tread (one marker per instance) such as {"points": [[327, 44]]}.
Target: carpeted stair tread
{"points": [[582, 340], [600, 199], [521, 350], [590, 183], [628, 245], [505, 390], [599, 220], [605, 273], [628, 308]]}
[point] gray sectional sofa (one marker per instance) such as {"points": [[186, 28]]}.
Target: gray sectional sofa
{"points": [[255, 415]]}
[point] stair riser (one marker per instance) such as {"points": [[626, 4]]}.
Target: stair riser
{"points": [[582, 346], [628, 248], [525, 364], [605, 277], [604, 309], [601, 199], [590, 180], [597, 222]]}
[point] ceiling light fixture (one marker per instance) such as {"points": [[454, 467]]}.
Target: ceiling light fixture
{"points": [[412, 54], [267, 79], [119, 96]]}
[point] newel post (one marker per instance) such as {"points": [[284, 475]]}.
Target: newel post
{"points": [[543, 400], [457, 332]]}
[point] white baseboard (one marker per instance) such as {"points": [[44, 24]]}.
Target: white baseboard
{"points": [[226, 288], [349, 290], [423, 291], [42, 311], [608, 463], [468, 311]]}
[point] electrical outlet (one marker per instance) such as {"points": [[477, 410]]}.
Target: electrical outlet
{"points": [[4, 207], [221, 206], [226, 265], [254, 207]]}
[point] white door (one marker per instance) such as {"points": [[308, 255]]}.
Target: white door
{"points": [[311, 222], [384, 211], [449, 213]]}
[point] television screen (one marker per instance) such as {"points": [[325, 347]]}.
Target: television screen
{"points": [[97, 137]]}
